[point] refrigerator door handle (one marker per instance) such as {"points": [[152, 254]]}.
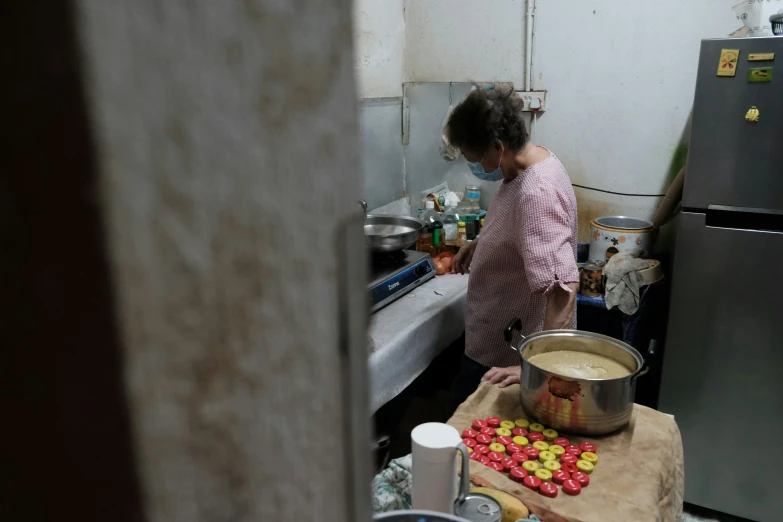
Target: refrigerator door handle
{"points": [[744, 218]]}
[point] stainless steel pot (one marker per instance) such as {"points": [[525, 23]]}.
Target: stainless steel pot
{"points": [[585, 406], [386, 233]]}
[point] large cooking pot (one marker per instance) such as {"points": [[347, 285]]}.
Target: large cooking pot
{"points": [[585, 406]]}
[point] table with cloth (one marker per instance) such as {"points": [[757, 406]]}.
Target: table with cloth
{"points": [[639, 476]]}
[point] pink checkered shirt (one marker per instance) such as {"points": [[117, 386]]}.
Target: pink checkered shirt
{"points": [[526, 249]]}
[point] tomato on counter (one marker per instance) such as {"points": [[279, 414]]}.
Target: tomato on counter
{"points": [[519, 432]]}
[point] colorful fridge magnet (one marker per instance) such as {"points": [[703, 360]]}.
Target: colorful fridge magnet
{"points": [[761, 57], [752, 115], [760, 74], [727, 65]]}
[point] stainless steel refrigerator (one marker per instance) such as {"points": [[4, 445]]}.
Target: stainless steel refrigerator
{"points": [[723, 366]]}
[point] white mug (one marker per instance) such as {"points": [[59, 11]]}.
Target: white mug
{"points": [[434, 445]]}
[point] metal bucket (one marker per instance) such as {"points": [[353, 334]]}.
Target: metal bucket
{"points": [[584, 406]]}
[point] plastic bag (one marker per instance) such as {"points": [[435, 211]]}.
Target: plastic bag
{"points": [[447, 151]]}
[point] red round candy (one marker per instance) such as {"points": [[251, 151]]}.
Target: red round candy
{"points": [[475, 455], [548, 489], [494, 456], [469, 434], [569, 458], [504, 440], [479, 423], [559, 476], [484, 439], [513, 448], [569, 467], [497, 466], [493, 422], [481, 449], [588, 446], [574, 450], [517, 474], [471, 443], [531, 452], [519, 432], [571, 487], [508, 464], [484, 460], [560, 441], [581, 477], [535, 436], [532, 482], [488, 431], [519, 458]]}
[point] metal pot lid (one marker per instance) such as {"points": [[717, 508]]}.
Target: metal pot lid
{"points": [[623, 222], [595, 266]]}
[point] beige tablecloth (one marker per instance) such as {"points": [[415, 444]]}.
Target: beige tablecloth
{"points": [[639, 476]]}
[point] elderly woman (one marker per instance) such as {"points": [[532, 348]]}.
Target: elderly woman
{"points": [[523, 265]]}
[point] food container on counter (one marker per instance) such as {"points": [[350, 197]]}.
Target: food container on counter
{"points": [[585, 406], [610, 235], [591, 278]]}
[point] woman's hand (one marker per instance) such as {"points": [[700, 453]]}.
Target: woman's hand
{"points": [[503, 376], [461, 262]]}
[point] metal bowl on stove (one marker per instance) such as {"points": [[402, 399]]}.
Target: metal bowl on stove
{"points": [[388, 233]]}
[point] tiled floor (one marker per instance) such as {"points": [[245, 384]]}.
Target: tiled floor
{"points": [[697, 514]]}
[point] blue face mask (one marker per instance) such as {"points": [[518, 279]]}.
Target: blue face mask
{"points": [[478, 170]]}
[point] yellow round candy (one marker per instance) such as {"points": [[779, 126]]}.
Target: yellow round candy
{"points": [[509, 425], [537, 427], [470, 450], [497, 447], [557, 450], [590, 457], [546, 455], [522, 441], [544, 474], [540, 445], [552, 465], [522, 423], [549, 434], [530, 465], [503, 432], [583, 465]]}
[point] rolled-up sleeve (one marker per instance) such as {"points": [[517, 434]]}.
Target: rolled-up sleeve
{"points": [[547, 241]]}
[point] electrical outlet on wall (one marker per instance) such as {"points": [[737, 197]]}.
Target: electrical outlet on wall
{"points": [[535, 101]]}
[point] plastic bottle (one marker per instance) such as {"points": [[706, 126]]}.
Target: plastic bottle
{"points": [[450, 220], [437, 232], [430, 215], [424, 244], [462, 234]]}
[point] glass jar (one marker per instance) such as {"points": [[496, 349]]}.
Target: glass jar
{"points": [[591, 279], [473, 194]]}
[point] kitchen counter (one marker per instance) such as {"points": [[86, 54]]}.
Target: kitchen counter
{"points": [[407, 335]]}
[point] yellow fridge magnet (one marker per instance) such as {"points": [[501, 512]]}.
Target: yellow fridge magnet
{"points": [[727, 66], [752, 115]]}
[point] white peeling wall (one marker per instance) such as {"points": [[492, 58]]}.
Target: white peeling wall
{"points": [[379, 40], [464, 40], [620, 79]]}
